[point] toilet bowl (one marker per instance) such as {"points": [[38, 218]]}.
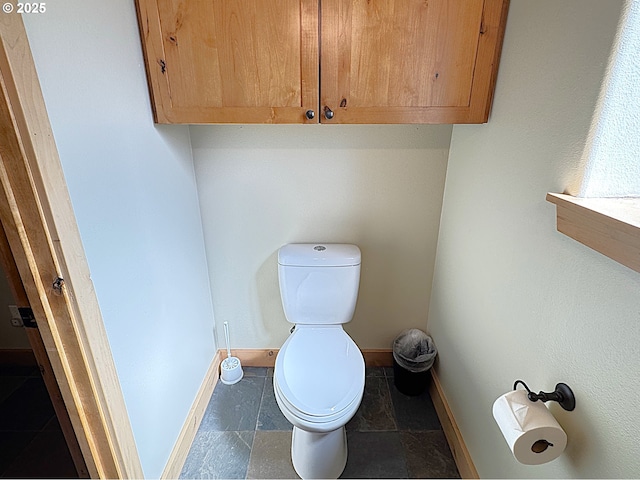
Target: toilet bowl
{"points": [[319, 372], [318, 383]]}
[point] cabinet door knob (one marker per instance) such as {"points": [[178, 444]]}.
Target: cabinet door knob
{"points": [[328, 113], [310, 114]]}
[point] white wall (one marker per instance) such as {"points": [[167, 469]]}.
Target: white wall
{"points": [[612, 155], [514, 299], [134, 193], [379, 187]]}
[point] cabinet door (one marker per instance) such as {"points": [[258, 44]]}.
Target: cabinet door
{"points": [[410, 61], [231, 61]]}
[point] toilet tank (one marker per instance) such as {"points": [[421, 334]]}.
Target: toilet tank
{"points": [[319, 282]]}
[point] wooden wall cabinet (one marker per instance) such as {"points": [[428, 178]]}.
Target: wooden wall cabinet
{"points": [[329, 61]]}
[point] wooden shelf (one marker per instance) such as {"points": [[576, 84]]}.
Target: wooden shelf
{"points": [[610, 226]]}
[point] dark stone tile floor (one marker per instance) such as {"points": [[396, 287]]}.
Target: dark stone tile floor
{"points": [[31, 442], [244, 435]]}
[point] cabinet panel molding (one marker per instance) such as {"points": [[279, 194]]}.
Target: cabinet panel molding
{"points": [[230, 61], [410, 61]]}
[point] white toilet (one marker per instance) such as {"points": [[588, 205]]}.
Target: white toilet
{"points": [[319, 373]]}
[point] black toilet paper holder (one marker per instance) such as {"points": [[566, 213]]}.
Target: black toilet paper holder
{"points": [[562, 394]]}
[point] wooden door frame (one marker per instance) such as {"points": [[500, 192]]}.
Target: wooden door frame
{"points": [[38, 219], [42, 358]]}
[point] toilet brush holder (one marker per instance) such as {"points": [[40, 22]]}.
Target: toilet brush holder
{"points": [[231, 371], [230, 368]]}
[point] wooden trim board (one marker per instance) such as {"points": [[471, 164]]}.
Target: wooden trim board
{"points": [[194, 418], [461, 455], [384, 358], [251, 357], [610, 226], [378, 357]]}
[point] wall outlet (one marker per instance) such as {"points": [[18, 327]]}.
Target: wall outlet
{"points": [[16, 318]]}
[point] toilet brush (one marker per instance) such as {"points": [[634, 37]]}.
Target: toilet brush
{"points": [[230, 368]]}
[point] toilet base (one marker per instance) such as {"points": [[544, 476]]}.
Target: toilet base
{"points": [[319, 455]]}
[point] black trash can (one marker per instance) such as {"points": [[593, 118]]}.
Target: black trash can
{"points": [[413, 357]]}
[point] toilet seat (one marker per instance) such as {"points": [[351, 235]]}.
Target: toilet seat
{"points": [[319, 373]]}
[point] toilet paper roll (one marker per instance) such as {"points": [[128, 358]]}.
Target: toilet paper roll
{"points": [[531, 431]]}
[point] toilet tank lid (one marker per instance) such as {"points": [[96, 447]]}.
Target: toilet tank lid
{"points": [[319, 255]]}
